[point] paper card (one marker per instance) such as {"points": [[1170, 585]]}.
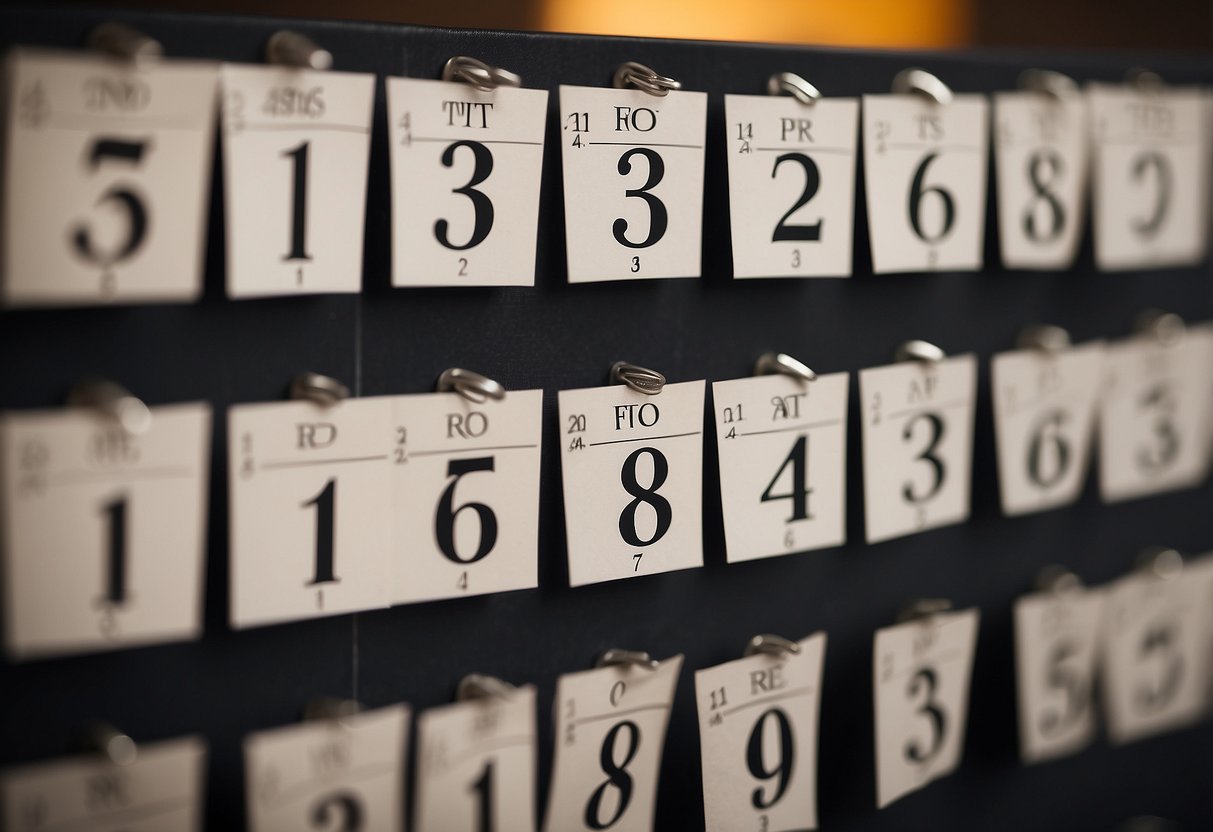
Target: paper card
{"points": [[476, 765], [633, 480], [161, 791], [329, 774], [1040, 147], [791, 185], [1201, 571], [1154, 428], [311, 504], [925, 180], [467, 494], [917, 444], [107, 178], [1150, 177], [466, 170], [633, 182], [758, 738], [296, 144], [782, 446], [610, 735], [105, 532], [1044, 423], [1156, 661], [1057, 640], [922, 671]]}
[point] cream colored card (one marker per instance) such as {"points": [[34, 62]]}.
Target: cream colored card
{"points": [[311, 508], [610, 735], [633, 182], [922, 671], [633, 480], [296, 144], [107, 178], [329, 774], [925, 180], [105, 531], [161, 791], [791, 185], [476, 765], [1057, 642], [466, 171], [466, 508], [758, 739], [917, 444], [782, 446], [1045, 407]]}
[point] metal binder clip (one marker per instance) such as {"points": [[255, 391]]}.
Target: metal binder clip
{"points": [[920, 82], [1057, 579], [111, 743], [113, 401], [480, 686], [482, 76], [778, 362], [1056, 85], [323, 390], [917, 350], [1047, 338], [472, 386], [771, 645], [1145, 80], [632, 74], [923, 609], [1167, 328], [123, 41], [1161, 562], [789, 83], [287, 48], [640, 379], [331, 709], [630, 658]]}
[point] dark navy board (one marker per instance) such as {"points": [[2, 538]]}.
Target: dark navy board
{"points": [[558, 336]]}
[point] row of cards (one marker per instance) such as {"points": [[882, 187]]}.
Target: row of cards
{"points": [[1150, 633], [108, 179], [383, 500]]}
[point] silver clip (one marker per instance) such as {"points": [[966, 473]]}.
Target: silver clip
{"points": [[778, 362], [1058, 580], [482, 76], [113, 401], [1046, 338], [331, 709], [1056, 85], [287, 48], [629, 658], [920, 82], [917, 350], [789, 83], [111, 743], [923, 609], [1161, 562], [474, 387], [640, 379], [323, 390], [480, 686], [1167, 328], [123, 41], [771, 645], [633, 74], [1145, 80]]}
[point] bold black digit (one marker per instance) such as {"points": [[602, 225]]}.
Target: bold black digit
{"points": [[1160, 640], [324, 502], [617, 775], [115, 585], [124, 196], [1061, 677], [342, 808], [927, 678], [1043, 232], [482, 158], [1152, 160], [1166, 447], [1046, 436], [917, 192], [660, 505], [757, 765], [444, 520], [812, 181], [483, 787], [798, 458], [659, 219], [935, 422], [298, 157]]}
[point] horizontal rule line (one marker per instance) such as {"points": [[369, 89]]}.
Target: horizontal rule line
{"points": [[470, 450], [617, 714], [300, 463], [808, 149], [647, 438], [764, 700], [805, 426], [299, 125], [650, 144], [477, 141]]}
